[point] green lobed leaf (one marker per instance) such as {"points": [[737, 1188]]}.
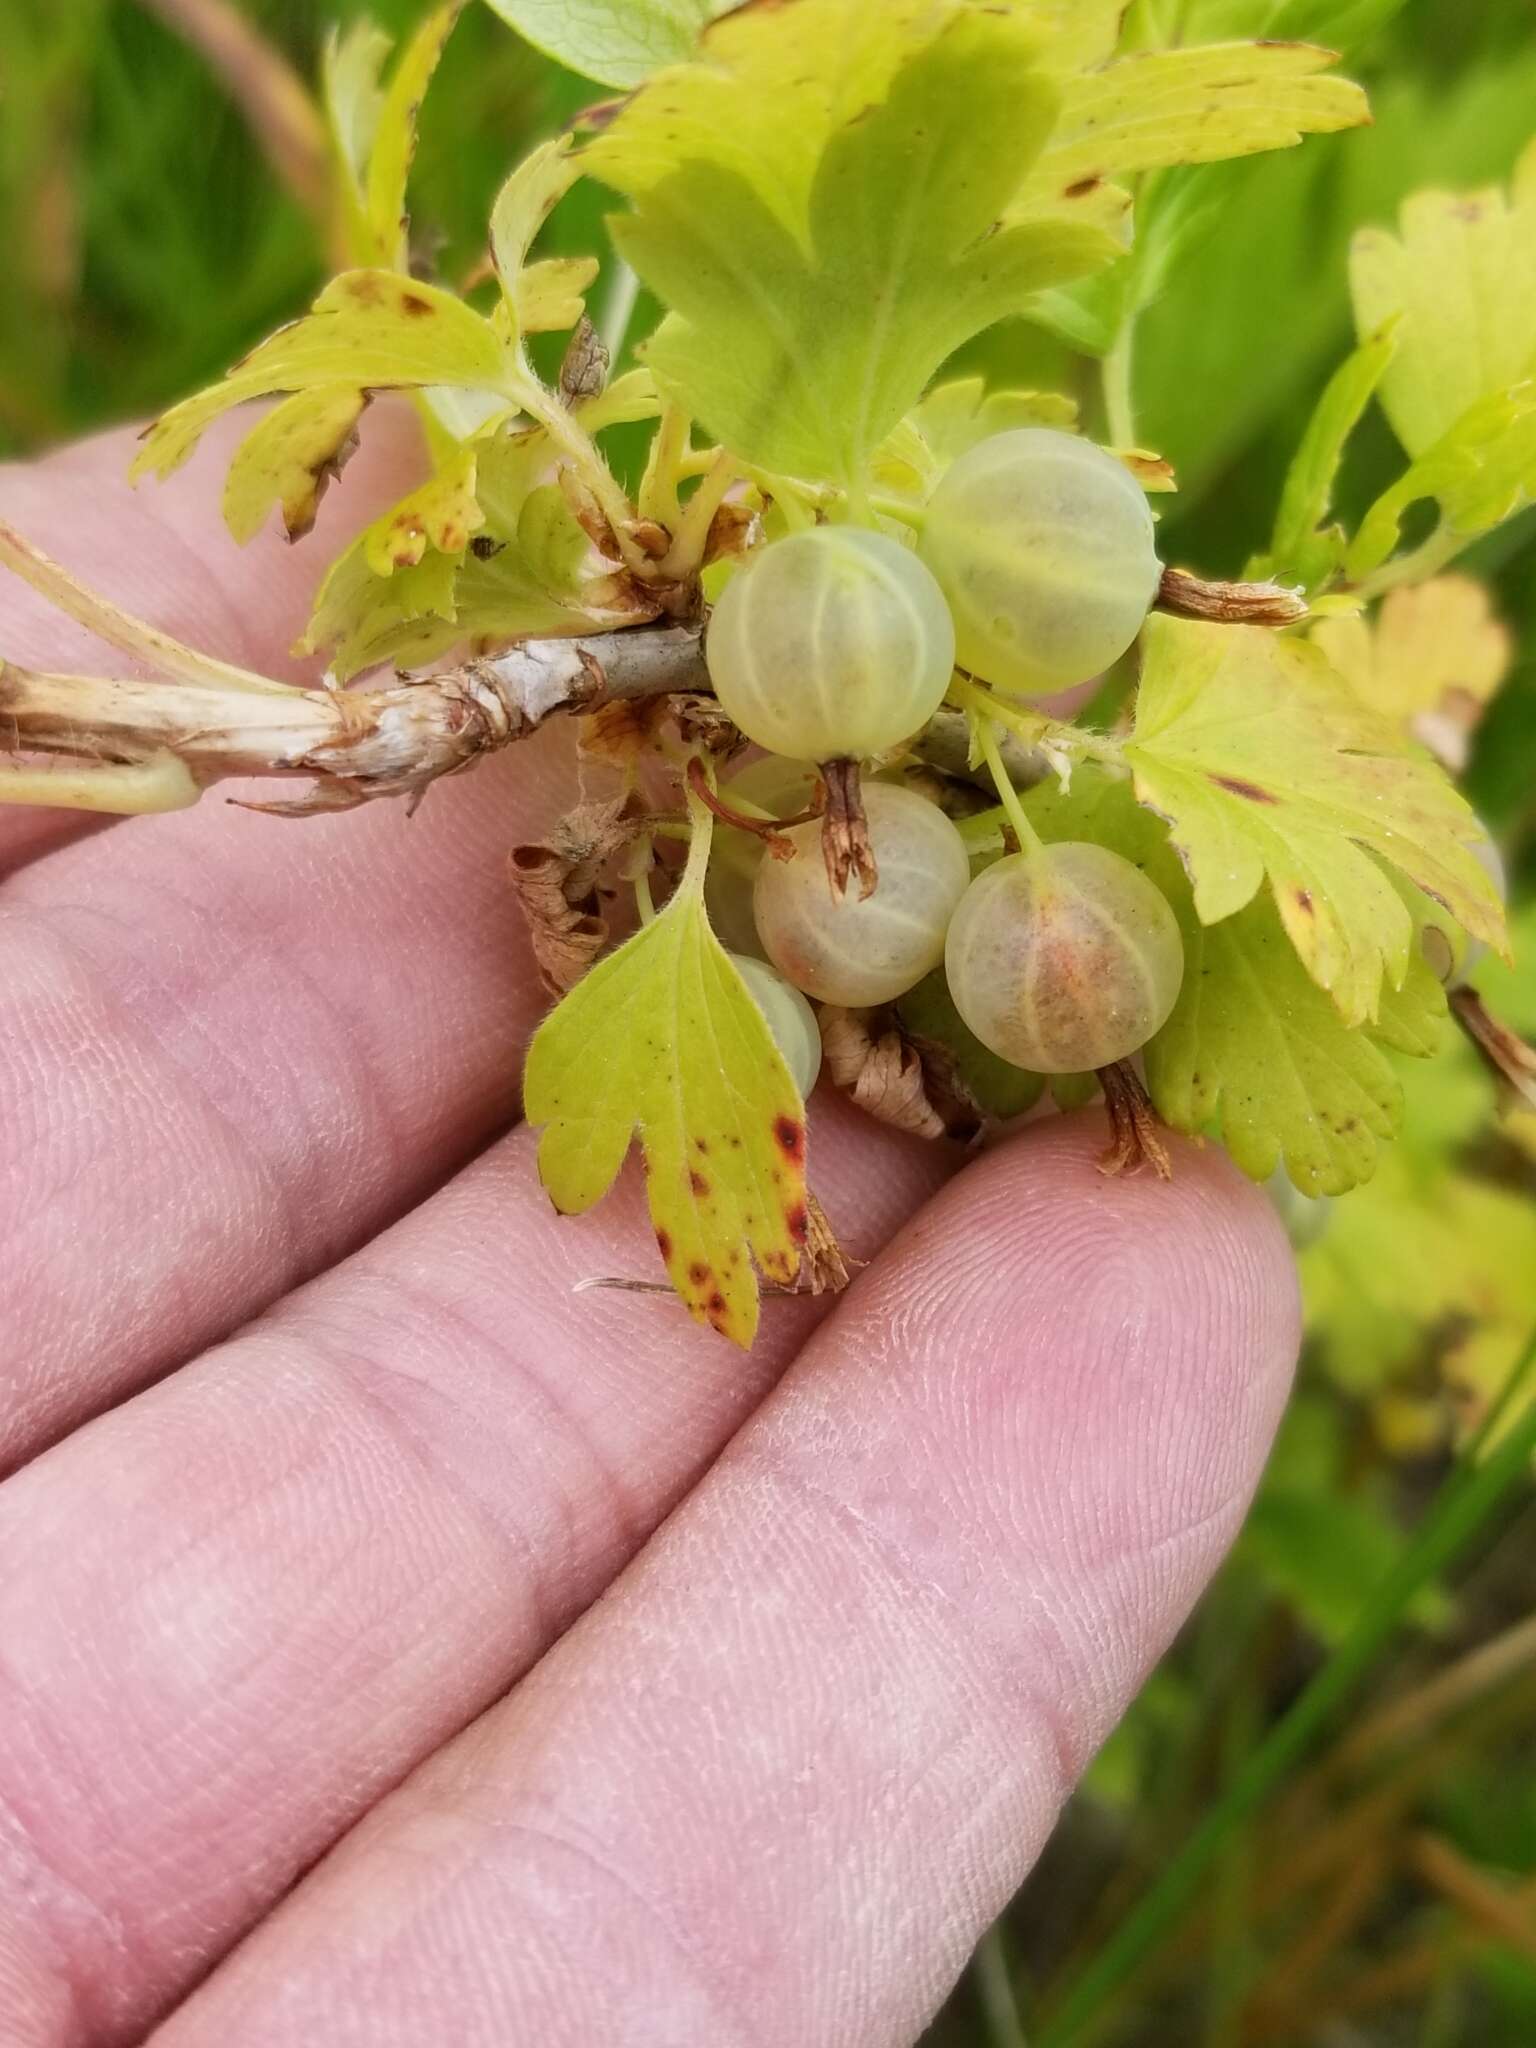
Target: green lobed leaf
{"points": [[617, 42], [1300, 551], [1264, 764], [819, 209], [954, 417], [661, 1043], [1482, 473], [1255, 1053], [389, 598], [1459, 278], [368, 329], [288, 459], [373, 129], [1204, 105]]}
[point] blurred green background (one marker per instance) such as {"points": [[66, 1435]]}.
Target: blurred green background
{"points": [[1387, 1894]]}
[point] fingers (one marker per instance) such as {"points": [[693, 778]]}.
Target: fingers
{"points": [[233, 1047], [773, 1787], [163, 553], [237, 1609]]}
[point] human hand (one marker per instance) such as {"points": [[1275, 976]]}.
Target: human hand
{"points": [[382, 1570]]}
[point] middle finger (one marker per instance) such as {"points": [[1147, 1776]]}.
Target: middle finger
{"points": [[311, 1557]]}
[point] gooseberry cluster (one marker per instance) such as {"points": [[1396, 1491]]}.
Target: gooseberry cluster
{"points": [[1034, 569]]}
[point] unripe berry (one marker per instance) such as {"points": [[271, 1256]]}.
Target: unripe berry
{"points": [[1065, 959], [859, 951], [1045, 548], [831, 644]]}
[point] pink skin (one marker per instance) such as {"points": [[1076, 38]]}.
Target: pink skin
{"points": [[329, 1585]]}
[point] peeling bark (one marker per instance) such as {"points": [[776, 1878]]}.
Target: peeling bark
{"points": [[354, 744]]}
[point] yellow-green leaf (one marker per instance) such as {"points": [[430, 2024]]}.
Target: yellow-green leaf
{"points": [[1076, 35], [549, 296], [442, 513], [524, 203], [1191, 106], [1481, 473], [1460, 280], [373, 128], [288, 459], [369, 329], [661, 1043], [394, 149], [1264, 764], [954, 417], [1300, 551], [818, 204], [523, 576], [1432, 646]]}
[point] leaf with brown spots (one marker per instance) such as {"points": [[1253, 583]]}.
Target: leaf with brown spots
{"points": [[556, 883], [1266, 766], [864, 158], [290, 458], [1200, 105], [894, 1077], [443, 513], [662, 1042], [369, 329]]}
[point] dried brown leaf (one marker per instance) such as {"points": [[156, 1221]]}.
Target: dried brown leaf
{"points": [[907, 1082], [624, 730], [825, 1267], [556, 883]]}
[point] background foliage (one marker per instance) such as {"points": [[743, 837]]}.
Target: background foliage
{"points": [[1386, 1893]]}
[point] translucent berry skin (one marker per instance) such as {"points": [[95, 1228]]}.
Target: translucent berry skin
{"points": [[1046, 550], [833, 644], [1064, 960], [788, 1016], [856, 952]]}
